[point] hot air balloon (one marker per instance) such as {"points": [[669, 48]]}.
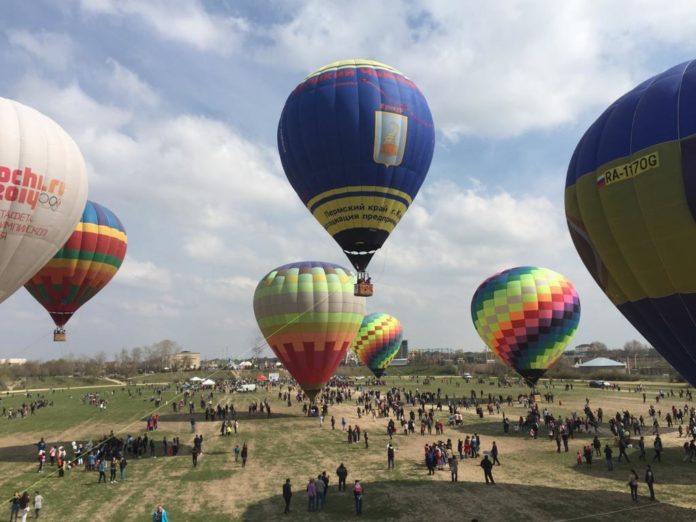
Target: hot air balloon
{"points": [[526, 316], [378, 341], [309, 316], [630, 204], [85, 264], [356, 139], [43, 189]]}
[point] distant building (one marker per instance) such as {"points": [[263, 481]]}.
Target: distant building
{"points": [[602, 363], [13, 361], [185, 360], [401, 358]]}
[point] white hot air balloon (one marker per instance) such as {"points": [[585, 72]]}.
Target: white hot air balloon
{"points": [[43, 189]]}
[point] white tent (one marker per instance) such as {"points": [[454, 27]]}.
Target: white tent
{"points": [[208, 382], [246, 364], [602, 363], [195, 379]]}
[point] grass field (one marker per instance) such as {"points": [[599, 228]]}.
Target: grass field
{"points": [[534, 482]]}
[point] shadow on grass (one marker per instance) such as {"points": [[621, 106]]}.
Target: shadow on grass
{"points": [[241, 417], [29, 453], [671, 469], [463, 501]]}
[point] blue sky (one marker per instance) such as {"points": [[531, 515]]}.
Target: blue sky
{"points": [[175, 104]]}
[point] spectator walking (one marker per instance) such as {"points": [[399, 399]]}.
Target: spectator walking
{"points": [[487, 466], [494, 454], [633, 484], [244, 454], [311, 495], [454, 468], [38, 504], [650, 481], [287, 495], [390, 456]]}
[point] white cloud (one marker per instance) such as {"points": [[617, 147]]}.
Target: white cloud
{"points": [[124, 83], [498, 71], [54, 50], [184, 21], [143, 274]]}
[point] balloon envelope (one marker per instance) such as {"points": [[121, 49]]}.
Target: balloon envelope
{"points": [[630, 204], [526, 316], [43, 189], [356, 139], [309, 316], [85, 264], [378, 341]]}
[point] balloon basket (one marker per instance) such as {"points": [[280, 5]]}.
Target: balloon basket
{"points": [[363, 287], [59, 335]]}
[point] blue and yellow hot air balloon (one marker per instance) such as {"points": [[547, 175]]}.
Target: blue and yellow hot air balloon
{"points": [[356, 139], [630, 203]]}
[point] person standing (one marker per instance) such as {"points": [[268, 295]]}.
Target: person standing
{"points": [[102, 470], [14, 506], [390, 456], [342, 473], [287, 495], [487, 466], [358, 494], [237, 450], [650, 481], [607, 456], [494, 454], [122, 467], [24, 501], [641, 447], [321, 492], [658, 448], [311, 495], [244, 454], [194, 455], [160, 515], [454, 468], [38, 504], [112, 469], [633, 484], [367, 445]]}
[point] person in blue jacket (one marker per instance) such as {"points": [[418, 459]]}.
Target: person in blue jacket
{"points": [[160, 515]]}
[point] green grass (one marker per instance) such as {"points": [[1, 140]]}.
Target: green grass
{"points": [[535, 483]]}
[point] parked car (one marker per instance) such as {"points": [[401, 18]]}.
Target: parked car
{"points": [[599, 384], [246, 388], [467, 376]]}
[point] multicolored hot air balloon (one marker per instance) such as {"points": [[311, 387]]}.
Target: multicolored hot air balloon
{"points": [[630, 203], [85, 264], [356, 139], [309, 316], [43, 189], [378, 341], [526, 316]]}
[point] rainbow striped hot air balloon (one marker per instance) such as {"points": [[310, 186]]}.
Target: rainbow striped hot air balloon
{"points": [[309, 316], [85, 264], [378, 341], [526, 316]]}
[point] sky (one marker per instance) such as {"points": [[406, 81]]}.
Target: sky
{"points": [[175, 104]]}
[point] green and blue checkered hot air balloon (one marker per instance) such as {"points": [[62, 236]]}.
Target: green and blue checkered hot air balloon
{"points": [[526, 316]]}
